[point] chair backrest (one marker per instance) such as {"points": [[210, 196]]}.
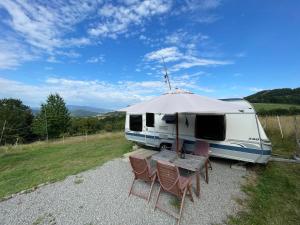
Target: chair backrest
{"points": [[180, 145], [168, 176], [140, 168], [201, 148]]}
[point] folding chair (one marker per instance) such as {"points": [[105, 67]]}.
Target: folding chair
{"points": [[142, 171], [171, 182], [202, 149]]}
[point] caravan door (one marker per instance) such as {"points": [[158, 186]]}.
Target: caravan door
{"points": [[150, 131]]}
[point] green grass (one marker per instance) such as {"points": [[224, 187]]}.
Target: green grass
{"points": [[274, 194], [26, 166], [269, 106], [282, 147], [175, 202], [287, 145], [274, 198]]}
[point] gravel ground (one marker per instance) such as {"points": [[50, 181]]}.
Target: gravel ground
{"points": [[100, 196]]}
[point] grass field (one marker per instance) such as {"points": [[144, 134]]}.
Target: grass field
{"points": [[274, 190], [287, 145], [26, 166], [273, 196], [269, 106]]}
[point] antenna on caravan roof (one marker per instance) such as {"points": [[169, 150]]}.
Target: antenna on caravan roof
{"points": [[166, 76]]}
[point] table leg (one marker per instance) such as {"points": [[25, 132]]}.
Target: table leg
{"points": [[206, 171], [198, 183]]}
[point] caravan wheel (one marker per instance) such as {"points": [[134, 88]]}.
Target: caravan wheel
{"points": [[165, 146]]}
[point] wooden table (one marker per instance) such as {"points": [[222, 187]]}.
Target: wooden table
{"points": [[190, 162], [165, 155], [143, 153]]}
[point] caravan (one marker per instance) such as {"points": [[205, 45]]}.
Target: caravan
{"points": [[237, 136]]}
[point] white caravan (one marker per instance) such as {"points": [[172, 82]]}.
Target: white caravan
{"points": [[238, 136]]}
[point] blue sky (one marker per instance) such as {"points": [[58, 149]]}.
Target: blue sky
{"points": [[108, 53]]}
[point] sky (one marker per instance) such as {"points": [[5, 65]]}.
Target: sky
{"points": [[108, 54]]}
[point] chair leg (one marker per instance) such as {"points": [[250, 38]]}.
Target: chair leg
{"points": [[157, 198], [181, 205], [190, 193], [131, 187], [153, 181], [206, 171], [209, 164]]}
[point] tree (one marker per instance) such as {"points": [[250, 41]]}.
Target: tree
{"points": [[15, 121], [53, 119]]}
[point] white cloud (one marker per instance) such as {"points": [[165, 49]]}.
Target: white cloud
{"points": [[184, 39], [52, 59], [38, 29], [92, 92], [199, 10], [43, 25], [202, 4], [70, 54], [12, 54], [182, 60], [77, 42], [116, 19], [169, 54], [48, 28], [98, 59], [193, 61], [182, 52]]}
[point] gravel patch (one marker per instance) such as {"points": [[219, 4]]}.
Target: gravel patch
{"points": [[100, 196]]}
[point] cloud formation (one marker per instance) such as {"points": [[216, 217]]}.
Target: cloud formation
{"points": [[181, 60], [43, 25], [44, 29], [93, 92], [116, 19]]}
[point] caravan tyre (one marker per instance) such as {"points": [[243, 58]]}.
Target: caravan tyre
{"points": [[165, 146]]}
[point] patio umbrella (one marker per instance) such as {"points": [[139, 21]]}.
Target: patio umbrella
{"points": [[183, 102]]}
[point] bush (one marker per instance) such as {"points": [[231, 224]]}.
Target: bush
{"points": [[108, 127]]}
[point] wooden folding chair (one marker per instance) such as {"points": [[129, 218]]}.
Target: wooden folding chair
{"points": [[202, 149], [171, 182], [142, 171]]}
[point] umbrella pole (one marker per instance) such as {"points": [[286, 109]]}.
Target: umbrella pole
{"points": [[177, 139]]}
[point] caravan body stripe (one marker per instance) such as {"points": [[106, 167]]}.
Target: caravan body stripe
{"points": [[213, 145]]}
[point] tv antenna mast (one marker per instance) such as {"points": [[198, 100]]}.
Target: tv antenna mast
{"points": [[166, 76]]}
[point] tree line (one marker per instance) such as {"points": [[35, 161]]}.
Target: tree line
{"points": [[19, 125], [283, 95]]}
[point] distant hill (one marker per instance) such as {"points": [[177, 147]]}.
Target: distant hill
{"points": [[283, 96], [83, 113], [80, 111]]}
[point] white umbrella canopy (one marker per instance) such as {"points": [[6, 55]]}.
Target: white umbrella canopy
{"points": [[184, 102]]}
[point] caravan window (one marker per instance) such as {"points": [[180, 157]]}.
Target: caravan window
{"points": [[150, 119], [211, 127], [136, 122], [169, 119]]}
